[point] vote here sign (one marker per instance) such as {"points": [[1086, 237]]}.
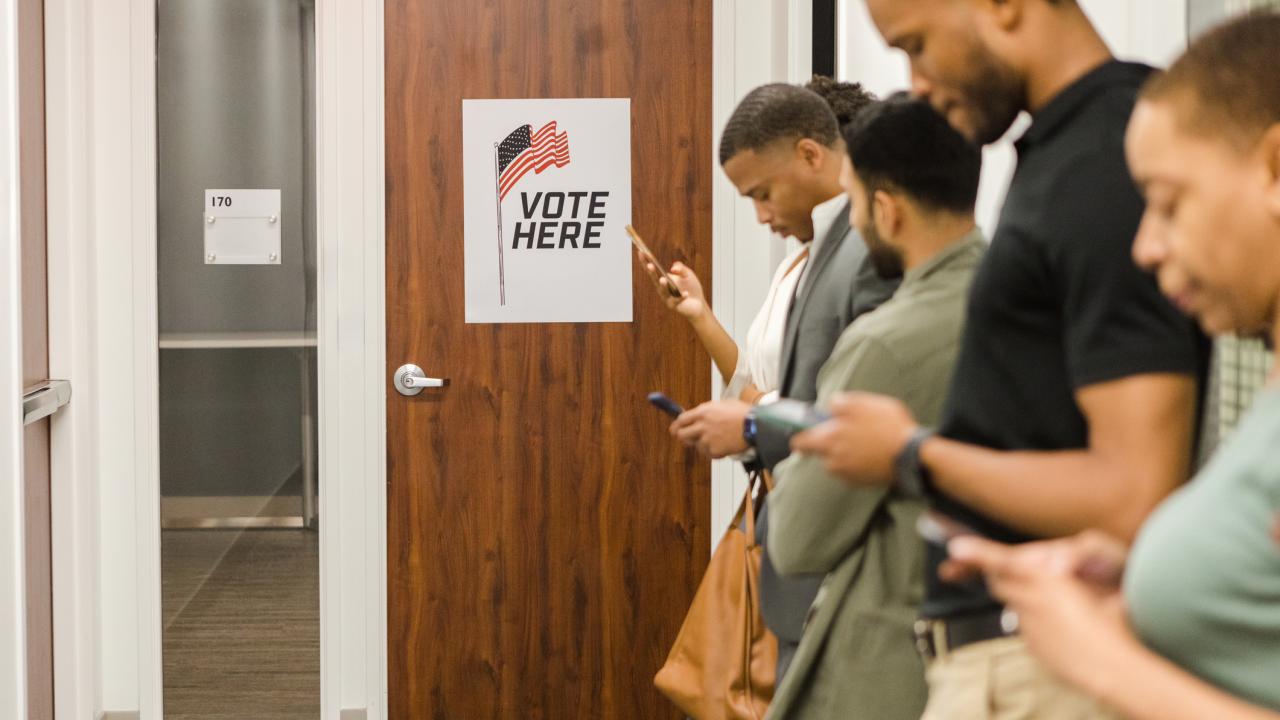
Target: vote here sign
{"points": [[547, 196]]}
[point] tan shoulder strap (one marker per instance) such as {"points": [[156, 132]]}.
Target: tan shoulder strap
{"points": [[764, 480]]}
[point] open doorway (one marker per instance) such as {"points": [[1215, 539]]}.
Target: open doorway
{"points": [[236, 245]]}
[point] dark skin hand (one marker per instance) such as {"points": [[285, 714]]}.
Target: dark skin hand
{"points": [[713, 428], [1072, 616], [1140, 427]]}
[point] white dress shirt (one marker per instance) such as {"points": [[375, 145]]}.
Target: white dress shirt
{"points": [[760, 356], [759, 360]]}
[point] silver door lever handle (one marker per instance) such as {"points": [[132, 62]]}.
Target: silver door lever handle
{"points": [[45, 399], [425, 382], [409, 380]]}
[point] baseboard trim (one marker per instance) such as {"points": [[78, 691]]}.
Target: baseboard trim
{"points": [[231, 523], [243, 511]]}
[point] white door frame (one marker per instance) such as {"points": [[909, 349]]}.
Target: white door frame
{"points": [[13, 616], [352, 377], [101, 109]]}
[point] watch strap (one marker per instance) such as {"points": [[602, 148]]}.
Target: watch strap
{"points": [[750, 431], [908, 470]]}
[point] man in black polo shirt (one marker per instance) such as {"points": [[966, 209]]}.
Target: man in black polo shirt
{"points": [[1074, 399]]}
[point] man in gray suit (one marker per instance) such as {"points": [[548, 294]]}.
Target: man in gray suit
{"points": [[782, 149]]}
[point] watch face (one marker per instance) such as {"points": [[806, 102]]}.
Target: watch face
{"points": [[749, 430]]}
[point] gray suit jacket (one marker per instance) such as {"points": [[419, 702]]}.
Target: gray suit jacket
{"points": [[839, 285]]}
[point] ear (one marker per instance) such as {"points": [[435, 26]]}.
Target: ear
{"points": [[886, 213], [1004, 15], [1269, 148], [811, 152]]}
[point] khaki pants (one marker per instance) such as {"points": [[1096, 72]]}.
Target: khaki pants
{"points": [[999, 680]]}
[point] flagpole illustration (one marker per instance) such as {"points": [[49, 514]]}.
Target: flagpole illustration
{"points": [[497, 196], [521, 152]]}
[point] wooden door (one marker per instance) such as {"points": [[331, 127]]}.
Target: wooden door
{"points": [[545, 535], [35, 357]]}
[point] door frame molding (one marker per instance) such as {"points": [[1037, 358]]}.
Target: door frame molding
{"points": [[13, 616], [101, 151], [101, 110], [351, 200]]}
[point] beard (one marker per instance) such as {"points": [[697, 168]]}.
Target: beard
{"points": [[885, 258], [994, 94]]}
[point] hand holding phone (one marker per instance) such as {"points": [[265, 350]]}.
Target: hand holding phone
{"points": [[665, 404], [790, 416], [940, 529], [648, 255]]}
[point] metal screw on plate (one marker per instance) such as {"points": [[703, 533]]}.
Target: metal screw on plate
{"points": [[210, 257], [209, 219], [271, 219], [272, 257]]}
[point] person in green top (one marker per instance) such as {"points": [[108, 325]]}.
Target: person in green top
{"points": [[1185, 625], [912, 182]]}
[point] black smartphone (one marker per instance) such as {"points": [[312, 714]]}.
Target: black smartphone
{"points": [[665, 404], [791, 416], [939, 529]]}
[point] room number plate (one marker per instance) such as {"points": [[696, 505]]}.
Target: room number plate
{"points": [[241, 227]]}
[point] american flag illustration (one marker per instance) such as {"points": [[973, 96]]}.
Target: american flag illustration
{"points": [[521, 151], [524, 150]]}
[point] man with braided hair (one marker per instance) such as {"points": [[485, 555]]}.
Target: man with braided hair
{"points": [[782, 149]]}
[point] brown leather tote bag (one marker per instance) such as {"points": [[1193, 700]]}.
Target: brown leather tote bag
{"points": [[723, 662]]}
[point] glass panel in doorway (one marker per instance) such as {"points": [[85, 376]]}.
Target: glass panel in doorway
{"points": [[237, 265]]}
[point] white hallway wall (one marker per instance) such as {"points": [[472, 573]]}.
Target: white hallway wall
{"points": [[751, 48]]}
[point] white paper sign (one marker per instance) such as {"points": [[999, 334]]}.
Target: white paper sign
{"points": [[547, 195], [242, 227]]}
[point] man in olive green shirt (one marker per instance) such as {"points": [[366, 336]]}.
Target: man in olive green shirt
{"points": [[913, 183]]}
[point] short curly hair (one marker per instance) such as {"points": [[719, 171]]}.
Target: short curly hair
{"points": [[901, 144], [846, 99], [775, 112]]}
